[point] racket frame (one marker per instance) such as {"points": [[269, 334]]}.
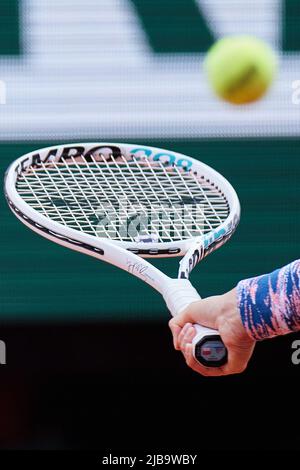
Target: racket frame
{"points": [[143, 249], [178, 293]]}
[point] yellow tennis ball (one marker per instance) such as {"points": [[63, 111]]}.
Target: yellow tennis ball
{"points": [[240, 68]]}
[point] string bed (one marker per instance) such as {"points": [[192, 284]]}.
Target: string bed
{"points": [[124, 199]]}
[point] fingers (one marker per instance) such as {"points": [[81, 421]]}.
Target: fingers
{"points": [[199, 368], [238, 357], [220, 313], [202, 312], [186, 335], [175, 329], [237, 360], [184, 344], [182, 335]]}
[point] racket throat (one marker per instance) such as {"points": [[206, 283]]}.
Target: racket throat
{"points": [[192, 257]]}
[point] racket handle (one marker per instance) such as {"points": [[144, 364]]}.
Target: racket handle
{"points": [[208, 347]]}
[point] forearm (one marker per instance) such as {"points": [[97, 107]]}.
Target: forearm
{"points": [[270, 304]]}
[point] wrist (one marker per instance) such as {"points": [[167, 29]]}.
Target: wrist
{"points": [[270, 304], [230, 317]]}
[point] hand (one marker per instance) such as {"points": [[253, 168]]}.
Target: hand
{"points": [[221, 313]]}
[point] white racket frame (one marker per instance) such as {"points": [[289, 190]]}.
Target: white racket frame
{"points": [[178, 293]]}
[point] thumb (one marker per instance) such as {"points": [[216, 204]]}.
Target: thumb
{"points": [[204, 312]]}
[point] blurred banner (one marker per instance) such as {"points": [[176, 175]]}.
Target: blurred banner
{"points": [[126, 69]]}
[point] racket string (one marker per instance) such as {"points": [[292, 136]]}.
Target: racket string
{"points": [[103, 198], [164, 192]]}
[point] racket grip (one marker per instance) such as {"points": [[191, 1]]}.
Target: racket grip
{"points": [[208, 347]]}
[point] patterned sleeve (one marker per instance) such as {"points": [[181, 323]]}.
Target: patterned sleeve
{"points": [[270, 304]]}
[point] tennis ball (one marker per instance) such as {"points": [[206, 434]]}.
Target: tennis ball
{"points": [[240, 68]]}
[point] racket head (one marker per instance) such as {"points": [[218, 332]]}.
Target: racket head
{"points": [[65, 192]]}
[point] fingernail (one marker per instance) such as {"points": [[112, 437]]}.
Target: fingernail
{"points": [[191, 331]]}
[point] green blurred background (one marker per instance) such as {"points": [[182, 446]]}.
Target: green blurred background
{"points": [[41, 281]]}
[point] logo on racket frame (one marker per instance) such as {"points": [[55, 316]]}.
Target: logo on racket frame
{"points": [[109, 151]]}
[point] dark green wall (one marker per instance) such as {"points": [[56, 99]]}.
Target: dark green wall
{"points": [[174, 25], [9, 27], [290, 25], [40, 280]]}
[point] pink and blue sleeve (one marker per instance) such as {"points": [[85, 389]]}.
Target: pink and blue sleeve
{"points": [[270, 304]]}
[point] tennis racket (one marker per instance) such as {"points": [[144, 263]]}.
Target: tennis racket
{"points": [[122, 203]]}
